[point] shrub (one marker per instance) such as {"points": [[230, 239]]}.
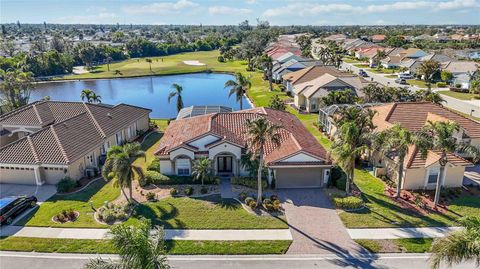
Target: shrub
{"points": [[248, 200], [173, 191], [221, 59], [268, 204], [248, 182], [154, 165], [188, 191], [65, 215], [203, 190], [274, 197], [339, 178], [349, 202], [242, 196], [252, 204], [277, 205], [154, 177], [66, 184], [150, 196], [282, 87], [110, 213], [441, 84]]}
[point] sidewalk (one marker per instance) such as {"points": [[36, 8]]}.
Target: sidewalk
{"points": [[399, 233], [85, 233]]}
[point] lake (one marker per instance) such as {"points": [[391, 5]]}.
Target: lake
{"points": [[150, 92]]}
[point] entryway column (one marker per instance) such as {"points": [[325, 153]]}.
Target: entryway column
{"points": [[38, 176], [270, 178]]}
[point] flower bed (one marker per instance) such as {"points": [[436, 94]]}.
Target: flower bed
{"points": [[66, 216], [270, 206]]}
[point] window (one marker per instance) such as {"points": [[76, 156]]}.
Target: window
{"points": [[314, 106], [183, 171], [433, 175], [183, 167]]}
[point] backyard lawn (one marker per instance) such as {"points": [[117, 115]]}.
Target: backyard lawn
{"points": [[459, 95], [381, 211], [210, 212], [179, 247], [151, 143]]}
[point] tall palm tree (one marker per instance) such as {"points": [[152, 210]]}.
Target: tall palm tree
{"points": [[266, 63], [395, 140], [86, 94], [354, 129], [94, 98], [239, 87], [119, 166], [178, 93], [458, 246], [149, 61], [202, 169], [259, 133], [109, 59], [438, 136], [139, 247]]}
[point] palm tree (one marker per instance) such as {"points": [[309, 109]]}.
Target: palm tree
{"points": [[438, 136], [428, 69], [354, 128], [109, 59], [94, 98], [266, 63], [139, 247], [458, 246], [395, 140], [86, 94], [239, 87], [259, 132], [149, 61], [119, 165], [202, 169], [177, 92]]}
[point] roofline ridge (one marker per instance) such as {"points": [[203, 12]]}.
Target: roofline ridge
{"points": [[95, 122], [34, 150], [390, 112], [18, 110], [37, 114], [410, 160], [59, 144]]}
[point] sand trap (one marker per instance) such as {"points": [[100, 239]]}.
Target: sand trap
{"points": [[193, 63], [78, 70]]}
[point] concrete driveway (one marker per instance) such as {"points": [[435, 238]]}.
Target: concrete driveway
{"points": [[315, 225], [41, 192]]}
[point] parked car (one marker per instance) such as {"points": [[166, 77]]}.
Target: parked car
{"points": [[12, 206], [405, 76], [401, 81], [362, 73]]}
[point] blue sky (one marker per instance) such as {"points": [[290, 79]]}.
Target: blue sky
{"points": [[219, 12]]}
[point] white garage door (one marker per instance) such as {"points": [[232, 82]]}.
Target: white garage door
{"points": [[298, 177], [16, 175]]}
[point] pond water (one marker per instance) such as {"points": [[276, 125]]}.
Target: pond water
{"points": [[149, 92]]}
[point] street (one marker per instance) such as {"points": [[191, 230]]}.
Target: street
{"points": [[32, 260]]}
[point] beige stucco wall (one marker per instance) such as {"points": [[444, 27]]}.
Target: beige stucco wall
{"points": [[142, 124], [17, 176], [225, 148], [454, 176], [414, 179], [166, 167]]}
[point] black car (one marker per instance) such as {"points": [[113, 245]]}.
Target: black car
{"points": [[401, 81], [12, 206], [362, 73]]}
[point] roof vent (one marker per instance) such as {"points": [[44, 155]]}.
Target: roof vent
{"points": [[109, 115]]}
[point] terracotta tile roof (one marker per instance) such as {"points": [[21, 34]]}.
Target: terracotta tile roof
{"points": [[310, 73], [231, 128], [66, 141], [415, 160]]}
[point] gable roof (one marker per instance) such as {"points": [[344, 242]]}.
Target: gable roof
{"points": [[66, 140], [231, 128], [310, 73]]}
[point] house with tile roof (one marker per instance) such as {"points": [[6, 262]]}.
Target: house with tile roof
{"points": [[45, 141], [420, 172], [298, 162], [307, 74]]}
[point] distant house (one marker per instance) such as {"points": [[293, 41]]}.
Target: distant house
{"points": [[298, 162], [336, 38], [45, 141], [291, 66], [396, 57], [462, 71], [378, 38], [413, 64]]}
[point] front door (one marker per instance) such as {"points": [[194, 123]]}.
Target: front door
{"points": [[224, 164]]}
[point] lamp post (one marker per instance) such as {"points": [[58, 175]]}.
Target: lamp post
{"points": [[443, 162]]}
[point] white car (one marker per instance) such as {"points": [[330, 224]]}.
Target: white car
{"points": [[405, 76]]}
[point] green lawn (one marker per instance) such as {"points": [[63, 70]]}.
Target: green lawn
{"points": [[459, 95], [151, 143], [98, 192], [362, 65], [350, 60], [210, 212], [418, 83], [179, 247], [381, 211], [409, 245], [391, 76]]}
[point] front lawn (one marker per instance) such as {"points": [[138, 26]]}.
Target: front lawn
{"points": [[97, 192], [407, 245], [178, 247], [459, 95], [381, 211], [418, 83], [210, 212]]}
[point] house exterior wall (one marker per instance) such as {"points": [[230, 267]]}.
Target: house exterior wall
{"points": [[143, 123], [416, 178], [52, 175], [181, 151], [301, 157], [454, 176], [166, 167], [225, 147]]}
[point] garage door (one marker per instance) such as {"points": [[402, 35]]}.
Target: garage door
{"points": [[298, 177], [16, 175]]}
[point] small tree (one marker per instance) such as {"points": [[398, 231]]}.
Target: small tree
{"points": [[202, 169], [446, 76], [178, 90], [277, 103], [149, 61], [428, 69], [15, 89]]}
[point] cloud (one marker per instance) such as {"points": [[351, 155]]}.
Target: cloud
{"points": [[102, 17], [309, 8], [250, 2], [160, 7], [224, 10]]}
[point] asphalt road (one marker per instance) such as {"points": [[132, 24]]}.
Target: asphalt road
{"points": [[18, 260]]}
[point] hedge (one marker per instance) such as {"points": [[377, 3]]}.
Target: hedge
{"points": [[154, 165], [349, 202], [339, 178], [248, 182], [153, 177], [66, 184]]}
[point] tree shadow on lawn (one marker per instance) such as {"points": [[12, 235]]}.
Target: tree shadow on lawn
{"points": [[217, 200], [161, 216]]}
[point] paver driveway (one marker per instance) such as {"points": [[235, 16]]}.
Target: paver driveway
{"points": [[314, 223]]}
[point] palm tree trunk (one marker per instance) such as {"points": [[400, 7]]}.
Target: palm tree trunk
{"points": [[259, 180], [400, 178], [131, 191], [124, 194], [349, 180], [438, 187], [270, 80]]}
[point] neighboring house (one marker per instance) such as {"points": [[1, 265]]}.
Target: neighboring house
{"points": [[336, 38], [298, 162], [413, 64], [193, 111], [291, 66], [462, 71], [46, 141], [307, 74], [287, 57], [398, 57], [421, 173], [353, 45], [308, 95], [378, 38]]}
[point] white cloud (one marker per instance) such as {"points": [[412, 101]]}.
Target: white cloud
{"points": [[102, 17], [309, 8], [250, 2], [160, 7], [224, 10]]}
